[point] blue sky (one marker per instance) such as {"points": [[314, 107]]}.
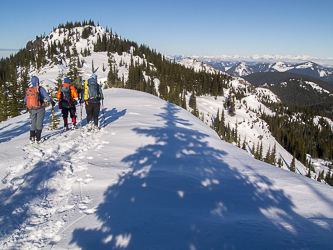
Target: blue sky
{"points": [[189, 27]]}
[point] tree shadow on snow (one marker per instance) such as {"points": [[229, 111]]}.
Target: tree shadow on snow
{"points": [[15, 128], [182, 194], [109, 116]]}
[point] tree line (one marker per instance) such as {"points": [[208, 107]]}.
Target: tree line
{"points": [[302, 131]]}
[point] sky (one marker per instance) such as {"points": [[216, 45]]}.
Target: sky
{"points": [[188, 27]]}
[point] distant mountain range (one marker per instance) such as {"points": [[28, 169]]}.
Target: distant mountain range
{"points": [[243, 66], [305, 87], [295, 89], [307, 68]]}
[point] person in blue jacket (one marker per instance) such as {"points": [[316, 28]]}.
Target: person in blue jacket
{"points": [[93, 104], [37, 114]]}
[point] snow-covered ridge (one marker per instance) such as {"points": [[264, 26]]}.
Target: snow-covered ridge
{"points": [[316, 87], [153, 173], [197, 65], [281, 67], [99, 60]]}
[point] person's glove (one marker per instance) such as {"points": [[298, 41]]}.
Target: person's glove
{"points": [[53, 104]]}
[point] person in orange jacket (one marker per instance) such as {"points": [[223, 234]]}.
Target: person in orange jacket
{"points": [[67, 95]]}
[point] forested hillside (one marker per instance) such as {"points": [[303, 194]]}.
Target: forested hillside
{"points": [[175, 79]]}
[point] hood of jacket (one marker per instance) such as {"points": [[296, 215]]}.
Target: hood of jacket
{"points": [[34, 81]]}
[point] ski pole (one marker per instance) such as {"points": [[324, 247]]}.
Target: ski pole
{"points": [[52, 118], [80, 115], [103, 113]]}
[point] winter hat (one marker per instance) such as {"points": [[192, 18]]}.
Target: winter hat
{"points": [[34, 81], [66, 80], [94, 76]]}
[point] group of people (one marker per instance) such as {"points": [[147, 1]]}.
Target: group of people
{"points": [[88, 92]]}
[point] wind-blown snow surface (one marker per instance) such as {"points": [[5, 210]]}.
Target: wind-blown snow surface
{"points": [[155, 177]]}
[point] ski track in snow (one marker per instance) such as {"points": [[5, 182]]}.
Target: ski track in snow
{"points": [[43, 185]]}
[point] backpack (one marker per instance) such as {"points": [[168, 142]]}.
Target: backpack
{"points": [[66, 97], [92, 93], [33, 101]]}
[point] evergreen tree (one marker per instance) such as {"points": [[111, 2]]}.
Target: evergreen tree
{"points": [[320, 176], [253, 149], [193, 100], [261, 152], [59, 80], [228, 137], [309, 173], [231, 104], [293, 165], [217, 121], [239, 141], [222, 125], [329, 176], [244, 144], [54, 121], [273, 156], [268, 156], [193, 104], [257, 154], [184, 103], [73, 71], [280, 162]]}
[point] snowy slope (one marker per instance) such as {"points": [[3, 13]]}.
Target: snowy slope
{"points": [[155, 177]]}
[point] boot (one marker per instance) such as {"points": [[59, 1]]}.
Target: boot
{"points": [[32, 136], [65, 124], [89, 126], [38, 136], [96, 129], [73, 123]]}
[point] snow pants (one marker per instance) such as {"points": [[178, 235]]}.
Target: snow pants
{"points": [[72, 112], [92, 110], [37, 118]]}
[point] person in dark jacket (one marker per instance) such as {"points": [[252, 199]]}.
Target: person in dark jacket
{"points": [[37, 113], [67, 104], [93, 103]]}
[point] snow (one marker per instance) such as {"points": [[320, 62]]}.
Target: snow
{"points": [[316, 87], [155, 177], [281, 67], [327, 62], [242, 69], [305, 65], [197, 65]]}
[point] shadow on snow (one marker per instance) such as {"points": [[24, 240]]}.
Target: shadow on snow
{"points": [[25, 194], [181, 194]]}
